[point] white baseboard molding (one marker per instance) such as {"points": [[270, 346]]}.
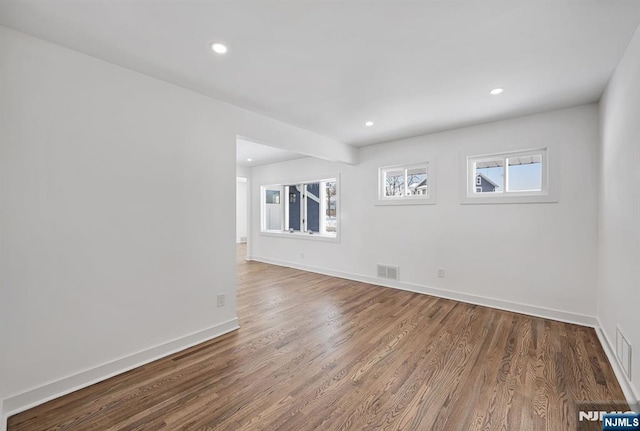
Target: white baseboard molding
{"points": [[631, 393], [66, 385], [531, 310]]}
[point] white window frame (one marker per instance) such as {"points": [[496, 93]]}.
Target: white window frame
{"points": [[418, 199], [302, 233], [549, 177]]}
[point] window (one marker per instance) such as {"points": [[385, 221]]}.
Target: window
{"points": [[273, 197], [524, 173], [521, 176], [405, 185], [489, 175], [309, 208]]}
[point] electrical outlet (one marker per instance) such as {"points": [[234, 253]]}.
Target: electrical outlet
{"points": [[221, 300], [440, 272]]}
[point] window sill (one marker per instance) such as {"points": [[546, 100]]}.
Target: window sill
{"points": [[397, 202], [300, 235], [522, 199]]}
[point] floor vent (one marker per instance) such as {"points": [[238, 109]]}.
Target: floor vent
{"points": [[388, 272]]}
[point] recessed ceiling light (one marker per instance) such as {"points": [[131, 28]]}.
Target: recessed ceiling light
{"points": [[249, 160], [218, 48], [496, 91], [369, 123]]}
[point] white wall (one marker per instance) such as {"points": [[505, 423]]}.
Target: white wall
{"points": [[114, 219], [536, 258], [243, 171], [619, 251], [242, 209]]}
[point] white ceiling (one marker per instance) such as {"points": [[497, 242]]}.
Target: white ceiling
{"points": [[328, 66], [260, 154]]}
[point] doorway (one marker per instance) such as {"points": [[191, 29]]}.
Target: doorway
{"points": [[242, 211]]}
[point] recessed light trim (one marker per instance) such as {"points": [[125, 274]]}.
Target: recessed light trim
{"points": [[368, 123], [219, 48], [496, 91]]}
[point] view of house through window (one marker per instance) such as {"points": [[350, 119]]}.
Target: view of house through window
{"points": [[306, 207], [510, 173], [489, 176], [403, 182]]}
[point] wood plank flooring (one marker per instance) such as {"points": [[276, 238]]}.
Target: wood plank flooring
{"points": [[321, 353]]}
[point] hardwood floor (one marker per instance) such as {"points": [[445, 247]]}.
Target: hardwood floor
{"points": [[321, 353]]}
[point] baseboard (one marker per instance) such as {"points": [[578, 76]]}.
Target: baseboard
{"points": [[630, 392], [547, 313], [58, 388]]}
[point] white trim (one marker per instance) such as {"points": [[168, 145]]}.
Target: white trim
{"points": [[550, 178], [428, 199], [322, 219], [285, 213], [54, 389], [402, 201], [306, 180], [301, 235], [284, 209], [630, 392], [515, 307]]}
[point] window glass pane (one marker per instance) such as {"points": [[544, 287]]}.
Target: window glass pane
{"points": [[416, 181], [488, 176], [331, 221], [312, 218], [272, 209], [293, 208], [309, 207], [273, 197], [525, 173], [394, 183]]}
